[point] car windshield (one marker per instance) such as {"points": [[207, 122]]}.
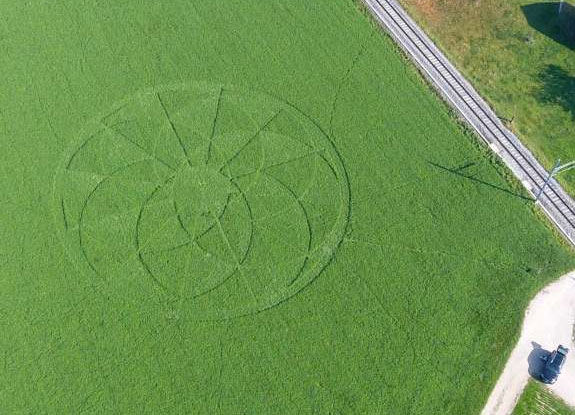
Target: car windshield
{"points": [[556, 360]]}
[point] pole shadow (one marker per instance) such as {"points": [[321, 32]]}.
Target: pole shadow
{"points": [[546, 19], [535, 360], [557, 87], [459, 171]]}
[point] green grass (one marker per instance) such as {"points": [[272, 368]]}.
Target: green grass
{"points": [[536, 400], [519, 54], [245, 207]]}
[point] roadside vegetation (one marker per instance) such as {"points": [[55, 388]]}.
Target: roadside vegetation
{"points": [[247, 207], [537, 400], [520, 55]]}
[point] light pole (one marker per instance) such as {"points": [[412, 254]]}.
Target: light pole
{"points": [[557, 168]]}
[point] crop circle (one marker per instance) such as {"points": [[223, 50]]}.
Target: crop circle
{"points": [[223, 201]]}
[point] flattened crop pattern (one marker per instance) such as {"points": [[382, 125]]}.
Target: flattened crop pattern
{"points": [[225, 201]]}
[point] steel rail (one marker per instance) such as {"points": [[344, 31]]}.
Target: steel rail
{"points": [[558, 206]]}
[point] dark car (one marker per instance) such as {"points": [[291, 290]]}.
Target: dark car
{"points": [[553, 364]]}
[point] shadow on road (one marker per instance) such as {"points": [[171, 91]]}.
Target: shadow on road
{"points": [[460, 171], [557, 87], [535, 360], [546, 19]]}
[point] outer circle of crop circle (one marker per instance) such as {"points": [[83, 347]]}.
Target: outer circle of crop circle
{"points": [[121, 180]]}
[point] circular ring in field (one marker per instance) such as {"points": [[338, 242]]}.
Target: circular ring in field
{"points": [[223, 201]]}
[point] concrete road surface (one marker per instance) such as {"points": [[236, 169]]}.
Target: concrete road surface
{"points": [[549, 321]]}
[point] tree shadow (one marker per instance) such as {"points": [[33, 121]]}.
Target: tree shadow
{"points": [[557, 87], [460, 171], [535, 360], [546, 19]]}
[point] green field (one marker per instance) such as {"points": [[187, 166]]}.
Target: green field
{"points": [[519, 54], [536, 400], [246, 207]]}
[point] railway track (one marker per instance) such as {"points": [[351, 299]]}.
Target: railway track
{"points": [[555, 202]]}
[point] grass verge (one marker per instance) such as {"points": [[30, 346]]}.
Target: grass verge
{"points": [[519, 55], [537, 400]]}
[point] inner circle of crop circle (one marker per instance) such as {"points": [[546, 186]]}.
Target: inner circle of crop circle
{"points": [[224, 201], [200, 195]]}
